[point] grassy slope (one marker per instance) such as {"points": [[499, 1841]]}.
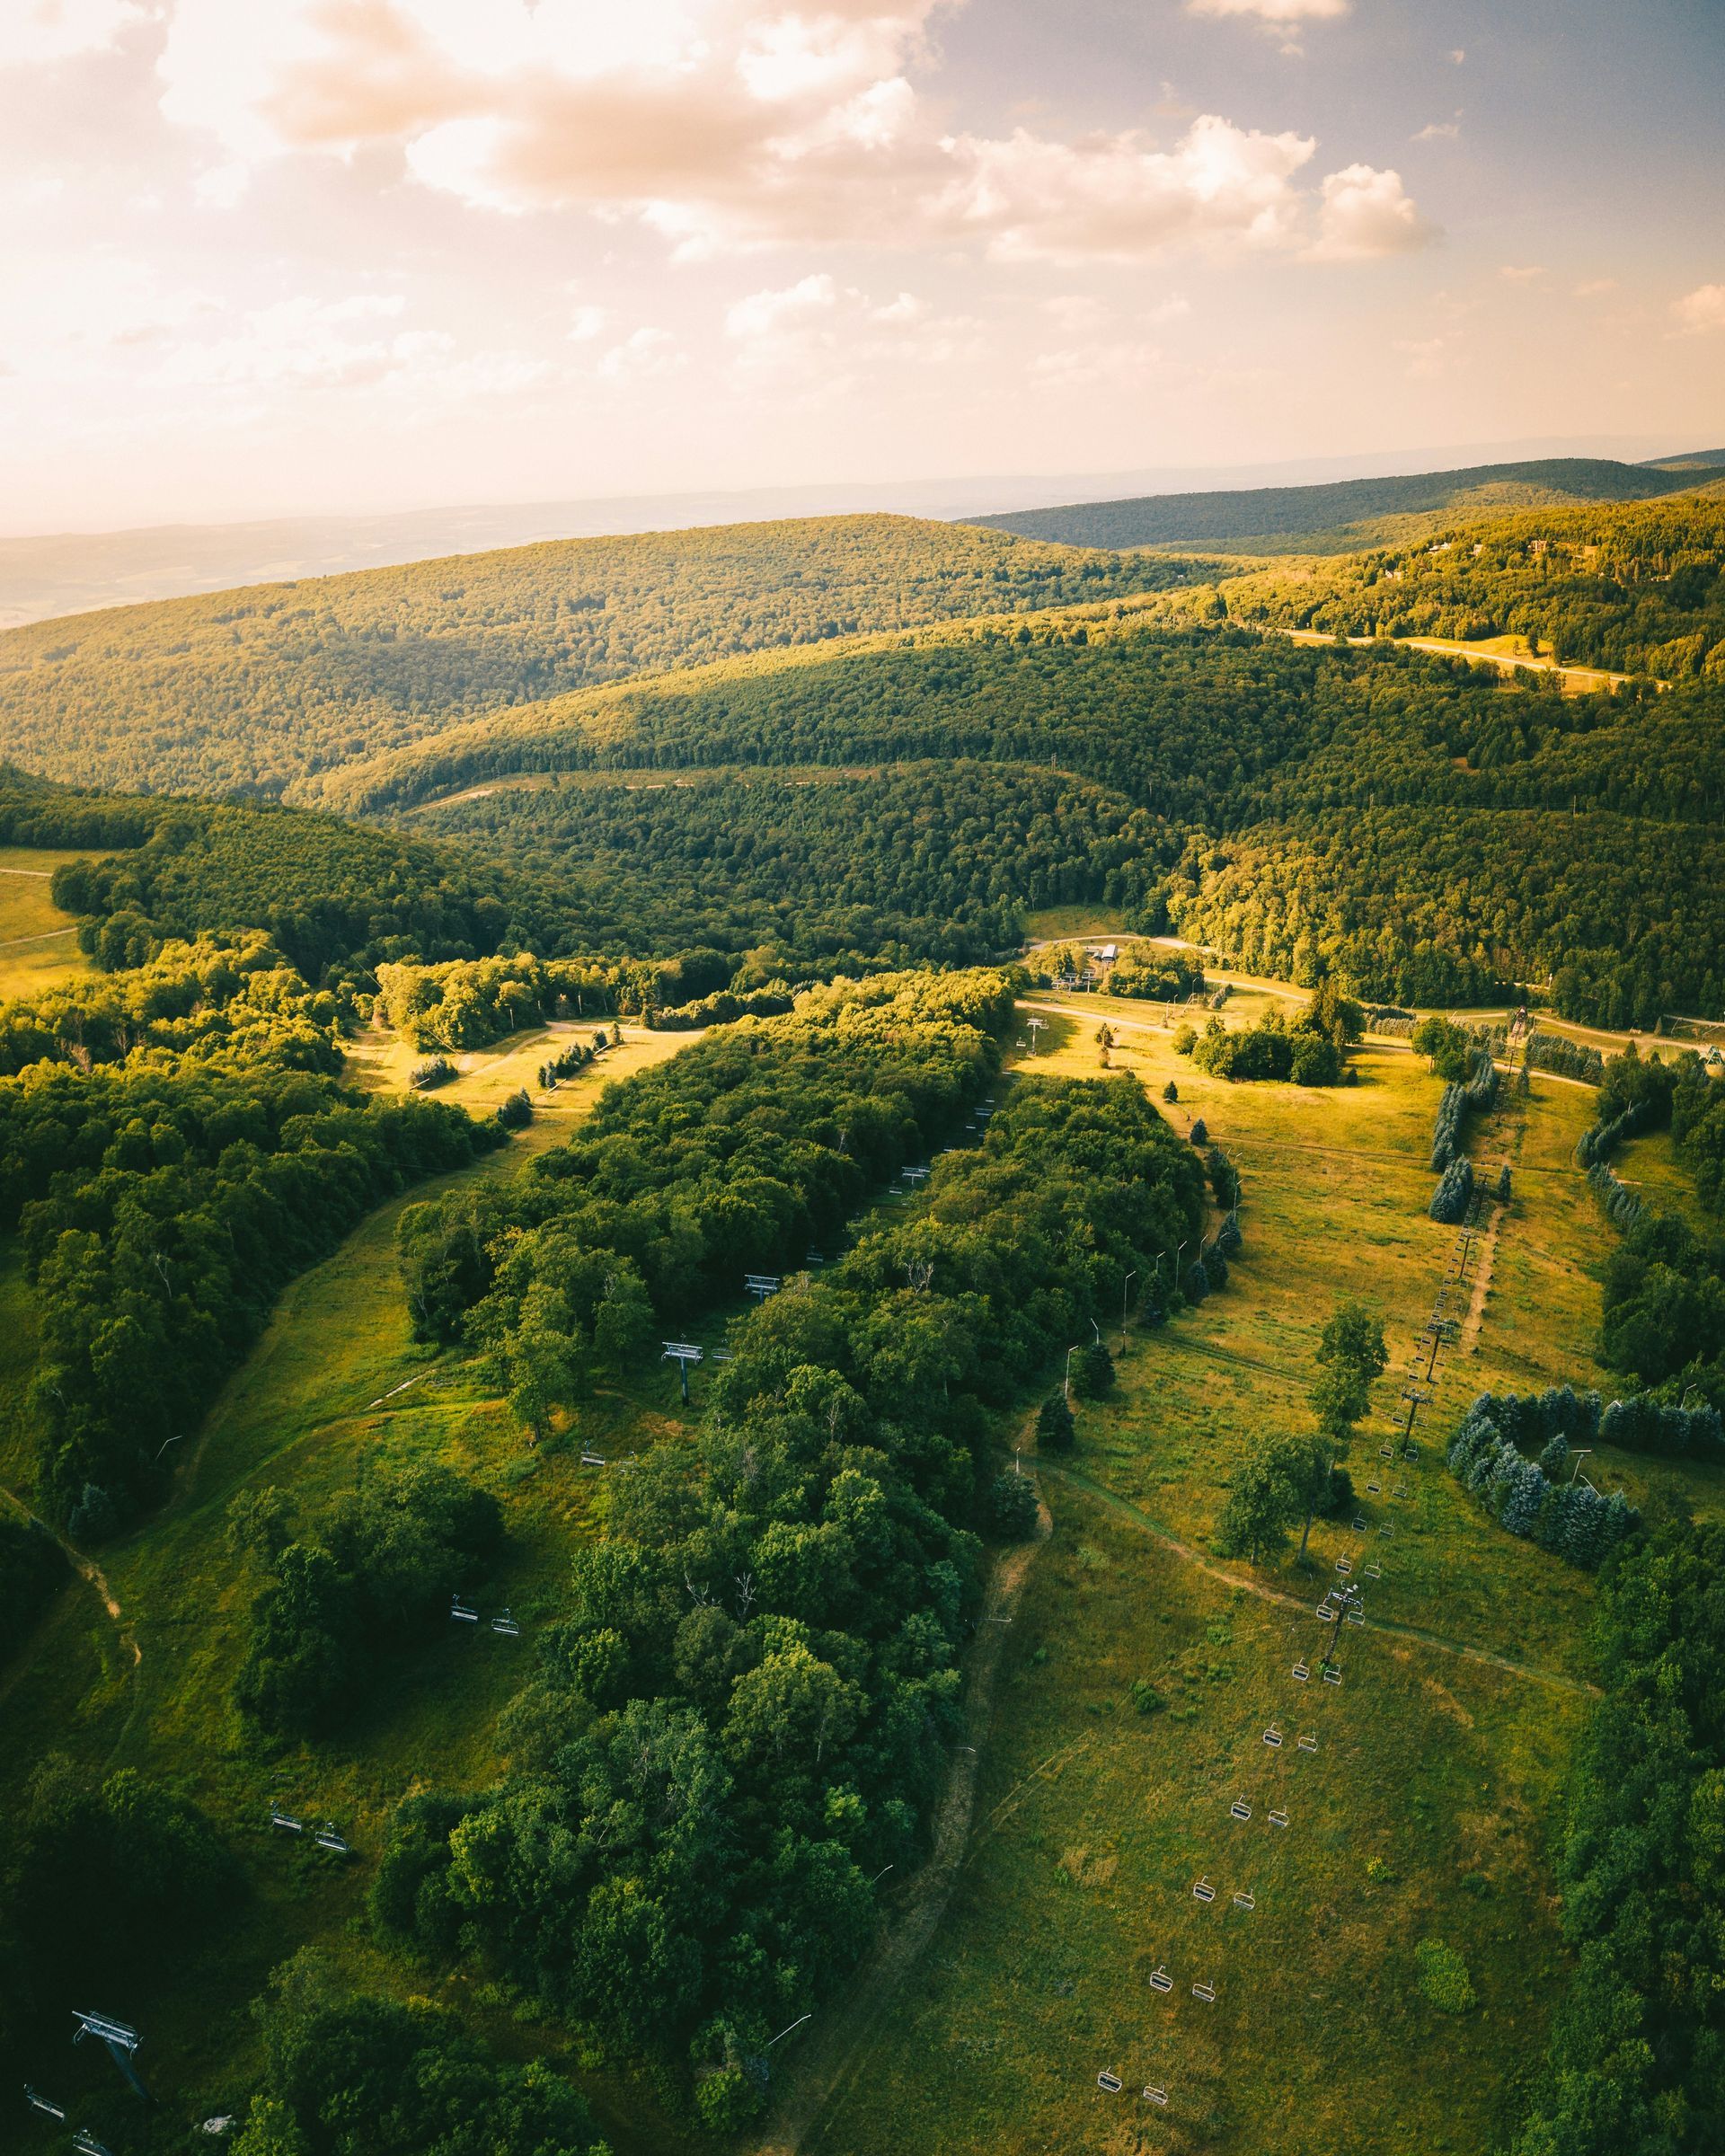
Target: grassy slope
{"points": [[301, 1413], [1093, 1821], [37, 942]]}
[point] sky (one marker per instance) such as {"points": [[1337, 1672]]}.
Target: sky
{"points": [[279, 257]]}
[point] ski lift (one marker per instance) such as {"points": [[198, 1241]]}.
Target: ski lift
{"points": [[1161, 1981], [1205, 1992], [1279, 1818], [286, 1821], [1110, 2082], [507, 1625], [1273, 1737], [1356, 1614], [1401, 1490], [1386, 1452], [1344, 1565], [1374, 1572], [588, 1460], [1308, 1740], [1301, 1673], [44, 2104], [1152, 2095], [85, 2143], [1239, 1809], [1387, 1526], [327, 1837], [1372, 1488], [1333, 1672], [462, 1612], [1202, 1891], [1360, 1523], [1245, 1899]]}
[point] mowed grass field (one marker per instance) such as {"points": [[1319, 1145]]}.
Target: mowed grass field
{"points": [[39, 947], [1425, 1812], [335, 1383]]}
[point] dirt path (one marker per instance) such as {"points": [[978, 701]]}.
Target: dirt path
{"points": [[833, 2051], [91, 1574]]}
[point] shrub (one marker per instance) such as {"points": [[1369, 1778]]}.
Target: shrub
{"points": [[1146, 1698], [1170, 1092], [1200, 1133], [1455, 1192], [1185, 1040], [1444, 1980], [516, 1111]]}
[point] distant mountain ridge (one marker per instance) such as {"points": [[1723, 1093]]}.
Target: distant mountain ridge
{"points": [[1343, 515]]}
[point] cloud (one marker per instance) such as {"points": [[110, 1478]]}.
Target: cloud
{"points": [[1367, 213], [647, 354], [1592, 287], [1114, 198], [767, 314], [586, 323], [1457, 57], [37, 31], [1521, 273], [1440, 131], [1700, 311], [725, 126]]}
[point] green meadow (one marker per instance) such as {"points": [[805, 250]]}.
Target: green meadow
{"points": [[1141, 1674]]}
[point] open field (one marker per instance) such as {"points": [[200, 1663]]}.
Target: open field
{"points": [[38, 945], [1423, 1813]]}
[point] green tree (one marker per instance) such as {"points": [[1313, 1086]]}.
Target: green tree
{"points": [[1055, 1429]]}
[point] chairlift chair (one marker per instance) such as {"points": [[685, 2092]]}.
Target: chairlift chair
{"points": [[1333, 1672], [1205, 1992], [44, 2104], [1153, 2095], [1278, 1817], [1244, 1899], [1239, 1809], [1374, 1572], [85, 2143], [1161, 1981], [1110, 2082], [507, 1625], [462, 1612], [592, 1459], [286, 1821], [327, 1837], [1344, 1565], [1202, 1891], [1356, 1614], [1360, 1523], [1301, 1673], [1308, 1740], [1273, 1736], [1372, 1489]]}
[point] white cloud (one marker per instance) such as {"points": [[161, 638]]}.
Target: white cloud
{"points": [[723, 127], [1278, 13], [1121, 366], [586, 323], [1701, 310], [905, 308], [768, 315], [303, 340], [647, 354], [1115, 198], [1594, 287], [1440, 130], [1521, 273], [35, 31], [1367, 213], [1457, 57]]}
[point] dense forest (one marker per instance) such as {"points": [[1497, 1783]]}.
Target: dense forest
{"points": [[1637, 590], [258, 690], [1344, 515]]}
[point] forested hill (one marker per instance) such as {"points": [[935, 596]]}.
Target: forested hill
{"points": [[258, 690], [1346, 514]]}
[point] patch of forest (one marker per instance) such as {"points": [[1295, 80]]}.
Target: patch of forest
{"points": [[1637, 589]]}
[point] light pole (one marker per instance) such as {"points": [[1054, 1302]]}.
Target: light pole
{"points": [[1070, 1353], [1125, 1289]]}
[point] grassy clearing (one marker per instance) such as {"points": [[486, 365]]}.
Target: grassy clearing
{"points": [[1423, 1813], [37, 942], [1055, 923]]}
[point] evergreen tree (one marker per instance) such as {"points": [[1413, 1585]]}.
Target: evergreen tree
{"points": [[1055, 1429]]}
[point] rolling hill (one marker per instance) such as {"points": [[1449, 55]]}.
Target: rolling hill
{"points": [[257, 690], [1350, 513]]}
